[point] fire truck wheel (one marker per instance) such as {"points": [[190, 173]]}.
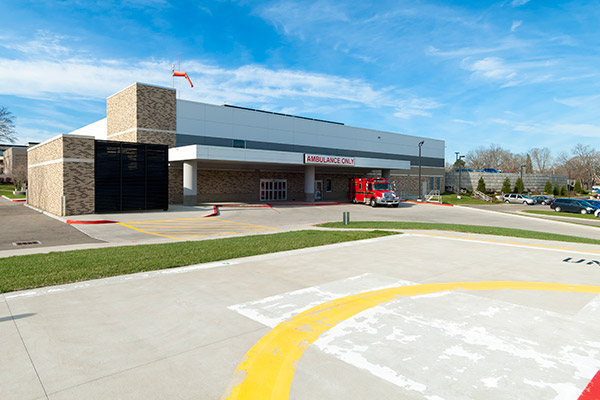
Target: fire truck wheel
{"points": [[354, 200], [373, 202]]}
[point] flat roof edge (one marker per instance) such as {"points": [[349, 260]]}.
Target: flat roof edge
{"points": [[58, 137], [141, 83]]}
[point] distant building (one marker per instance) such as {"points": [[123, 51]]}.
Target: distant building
{"points": [[13, 158]]}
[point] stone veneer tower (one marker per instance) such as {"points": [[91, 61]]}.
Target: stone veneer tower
{"points": [[143, 114], [61, 170]]}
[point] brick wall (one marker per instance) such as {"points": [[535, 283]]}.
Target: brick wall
{"points": [[14, 158], [494, 181], [63, 166], [175, 185], [142, 113]]}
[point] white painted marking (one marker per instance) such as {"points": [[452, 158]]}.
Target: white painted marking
{"points": [[457, 345]]}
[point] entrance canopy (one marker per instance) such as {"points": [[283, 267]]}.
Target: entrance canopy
{"points": [[253, 156]]}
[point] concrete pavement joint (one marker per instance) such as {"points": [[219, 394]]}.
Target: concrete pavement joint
{"points": [[510, 244], [528, 216], [25, 347], [174, 355]]}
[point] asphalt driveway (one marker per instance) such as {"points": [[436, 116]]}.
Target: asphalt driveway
{"points": [[22, 224]]}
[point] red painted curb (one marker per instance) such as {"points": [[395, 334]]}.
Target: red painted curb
{"points": [[333, 203], [244, 205], [592, 391], [214, 213], [98, 221], [433, 204]]}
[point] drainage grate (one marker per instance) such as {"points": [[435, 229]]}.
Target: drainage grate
{"points": [[27, 243]]}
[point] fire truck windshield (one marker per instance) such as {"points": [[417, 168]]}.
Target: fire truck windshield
{"points": [[381, 186]]}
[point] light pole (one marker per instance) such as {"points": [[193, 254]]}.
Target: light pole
{"points": [[521, 188], [420, 145], [459, 172]]}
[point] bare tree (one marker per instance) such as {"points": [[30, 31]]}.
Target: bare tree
{"points": [[7, 126], [581, 164], [492, 157], [20, 177], [541, 159]]}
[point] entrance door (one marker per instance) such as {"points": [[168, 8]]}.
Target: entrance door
{"points": [[318, 190], [273, 189]]}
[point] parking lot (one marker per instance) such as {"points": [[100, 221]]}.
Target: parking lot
{"points": [[423, 315], [196, 223]]}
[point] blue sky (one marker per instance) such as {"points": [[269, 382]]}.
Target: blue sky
{"points": [[514, 73]]}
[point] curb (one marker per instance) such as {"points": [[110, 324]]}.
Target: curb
{"points": [[214, 213], [98, 221], [332, 203], [433, 204], [14, 200]]}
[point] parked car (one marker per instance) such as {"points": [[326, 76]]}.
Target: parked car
{"points": [[545, 200], [597, 204], [492, 170], [518, 198], [464, 170], [574, 206]]}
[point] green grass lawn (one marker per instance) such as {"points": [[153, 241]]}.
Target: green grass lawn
{"points": [[486, 230], [29, 271], [7, 190], [561, 214], [452, 199]]}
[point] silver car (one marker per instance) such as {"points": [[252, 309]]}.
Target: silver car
{"points": [[518, 198]]}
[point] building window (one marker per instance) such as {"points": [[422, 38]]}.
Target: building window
{"points": [[273, 189], [240, 144], [328, 187]]}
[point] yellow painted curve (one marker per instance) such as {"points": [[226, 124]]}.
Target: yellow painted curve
{"points": [[268, 368]]}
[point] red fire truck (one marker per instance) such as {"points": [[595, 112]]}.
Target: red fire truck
{"points": [[373, 191]]}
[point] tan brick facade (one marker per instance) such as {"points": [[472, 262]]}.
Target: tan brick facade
{"points": [[143, 114], [407, 182], [244, 185], [175, 185], [61, 175]]}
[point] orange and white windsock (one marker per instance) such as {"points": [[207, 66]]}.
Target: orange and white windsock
{"points": [[183, 74]]}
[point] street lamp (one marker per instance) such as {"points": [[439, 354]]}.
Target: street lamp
{"points": [[420, 145], [459, 172], [521, 188]]}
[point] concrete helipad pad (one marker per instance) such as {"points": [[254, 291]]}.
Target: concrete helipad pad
{"points": [[524, 325]]}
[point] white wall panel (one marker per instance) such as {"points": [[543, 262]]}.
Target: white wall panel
{"points": [[218, 121], [219, 129]]}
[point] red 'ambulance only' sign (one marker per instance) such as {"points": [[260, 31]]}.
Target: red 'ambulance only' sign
{"points": [[328, 160]]}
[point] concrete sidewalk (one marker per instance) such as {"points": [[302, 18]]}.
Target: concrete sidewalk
{"points": [[181, 333]]}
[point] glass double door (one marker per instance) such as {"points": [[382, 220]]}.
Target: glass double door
{"points": [[273, 189]]}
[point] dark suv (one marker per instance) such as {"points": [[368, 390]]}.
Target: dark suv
{"points": [[573, 205]]}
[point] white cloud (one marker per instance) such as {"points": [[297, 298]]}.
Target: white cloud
{"points": [[511, 74], [556, 129], [462, 121], [251, 85], [492, 68], [578, 101], [518, 3], [515, 25], [415, 107], [43, 44]]}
